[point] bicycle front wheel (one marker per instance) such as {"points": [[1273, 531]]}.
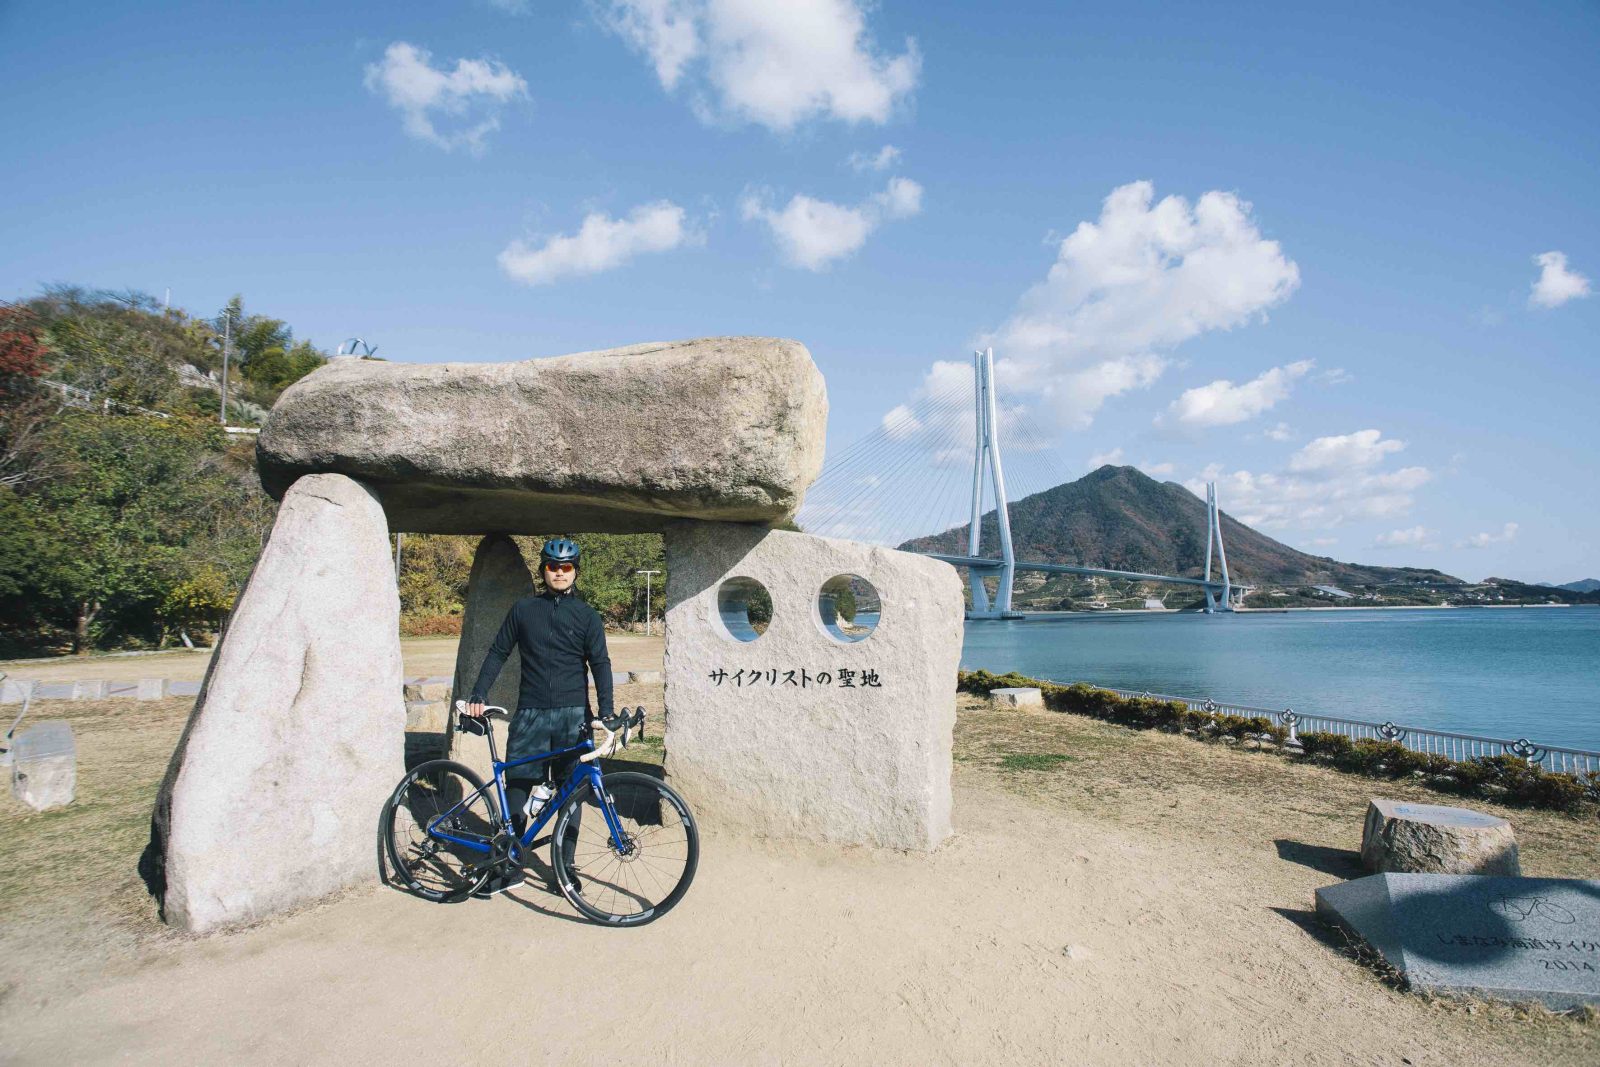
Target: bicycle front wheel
{"points": [[639, 878], [450, 798]]}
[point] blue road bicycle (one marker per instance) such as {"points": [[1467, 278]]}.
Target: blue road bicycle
{"points": [[623, 847]]}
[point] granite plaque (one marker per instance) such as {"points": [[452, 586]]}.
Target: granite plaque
{"points": [[1511, 938]]}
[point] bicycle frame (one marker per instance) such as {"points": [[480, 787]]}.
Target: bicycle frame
{"points": [[581, 773]]}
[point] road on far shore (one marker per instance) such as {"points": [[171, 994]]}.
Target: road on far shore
{"points": [[425, 657]]}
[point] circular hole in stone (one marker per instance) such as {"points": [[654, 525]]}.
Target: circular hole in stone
{"points": [[849, 608], [745, 608]]}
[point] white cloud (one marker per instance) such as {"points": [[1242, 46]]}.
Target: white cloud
{"points": [[1336, 376], [1157, 470], [1131, 286], [600, 244], [467, 99], [1100, 459], [1333, 457], [1223, 403], [1322, 542], [1507, 534], [882, 159], [813, 233], [900, 199], [1556, 284], [1280, 432], [1332, 480], [1413, 537], [775, 64]]}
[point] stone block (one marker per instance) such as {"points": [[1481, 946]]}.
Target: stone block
{"points": [[298, 736], [428, 716], [622, 440], [1017, 698], [151, 688], [183, 689], [122, 690], [797, 733], [55, 691], [1520, 939], [44, 765], [1403, 837], [90, 689], [647, 677], [499, 578], [620, 678], [16, 691]]}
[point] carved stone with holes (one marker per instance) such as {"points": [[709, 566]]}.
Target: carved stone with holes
{"points": [[796, 732]]}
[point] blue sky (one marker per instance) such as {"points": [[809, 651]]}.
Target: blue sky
{"points": [[1364, 193]]}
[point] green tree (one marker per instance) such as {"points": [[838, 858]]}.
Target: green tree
{"points": [[136, 489], [609, 580]]}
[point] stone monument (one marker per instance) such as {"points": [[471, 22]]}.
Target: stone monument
{"points": [[1517, 939], [44, 765], [295, 741], [795, 732], [1403, 837]]}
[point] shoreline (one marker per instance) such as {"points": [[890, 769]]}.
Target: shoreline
{"points": [[1281, 611]]}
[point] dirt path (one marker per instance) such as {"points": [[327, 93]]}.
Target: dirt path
{"points": [[1143, 900]]}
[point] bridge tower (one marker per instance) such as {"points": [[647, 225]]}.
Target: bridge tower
{"points": [[987, 459], [1214, 536]]}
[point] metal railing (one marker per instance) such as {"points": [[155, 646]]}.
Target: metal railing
{"points": [[1432, 742]]}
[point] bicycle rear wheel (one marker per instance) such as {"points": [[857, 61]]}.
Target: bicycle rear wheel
{"points": [[641, 880], [430, 866]]}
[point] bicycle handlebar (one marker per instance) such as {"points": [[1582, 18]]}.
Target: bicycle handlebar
{"points": [[624, 720]]}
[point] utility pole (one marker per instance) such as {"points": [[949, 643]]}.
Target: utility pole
{"points": [[647, 575], [227, 341], [399, 539]]}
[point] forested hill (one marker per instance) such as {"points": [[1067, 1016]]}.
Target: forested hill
{"points": [[1119, 517]]}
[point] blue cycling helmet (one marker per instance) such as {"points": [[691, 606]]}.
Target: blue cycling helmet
{"points": [[560, 550]]}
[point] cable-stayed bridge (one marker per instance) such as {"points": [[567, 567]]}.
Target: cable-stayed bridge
{"points": [[904, 481]]}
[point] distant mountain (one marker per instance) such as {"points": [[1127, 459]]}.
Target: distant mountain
{"points": [[1120, 518], [1585, 585]]}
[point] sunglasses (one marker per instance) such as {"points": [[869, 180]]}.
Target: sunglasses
{"points": [[559, 568]]}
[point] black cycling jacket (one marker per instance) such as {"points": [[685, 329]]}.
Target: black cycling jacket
{"points": [[557, 634]]}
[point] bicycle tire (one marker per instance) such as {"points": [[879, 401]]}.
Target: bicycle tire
{"points": [[602, 878], [425, 866]]}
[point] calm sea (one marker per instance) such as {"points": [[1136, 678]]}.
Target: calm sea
{"points": [[1503, 672]]}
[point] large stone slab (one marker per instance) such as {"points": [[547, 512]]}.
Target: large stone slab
{"points": [[797, 733], [1518, 939], [1404, 837], [628, 439], [499, 578], [274, 792]]}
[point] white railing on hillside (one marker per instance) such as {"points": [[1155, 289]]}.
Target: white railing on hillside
{"points": [[1433, 742]]}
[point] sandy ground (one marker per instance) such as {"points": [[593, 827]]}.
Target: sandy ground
{"points": [[1143, 899], [425, 657]]}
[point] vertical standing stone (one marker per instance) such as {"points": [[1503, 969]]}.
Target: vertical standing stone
{"points": [[499, 579], [798, 733], [273, 794]]}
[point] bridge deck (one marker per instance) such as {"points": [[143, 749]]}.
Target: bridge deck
{"points": [[986, 563]]}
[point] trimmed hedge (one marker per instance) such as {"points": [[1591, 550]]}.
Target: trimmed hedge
{"points": [[1506, 779]]}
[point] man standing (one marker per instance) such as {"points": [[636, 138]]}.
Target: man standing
{"points": [[559, 636]]}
